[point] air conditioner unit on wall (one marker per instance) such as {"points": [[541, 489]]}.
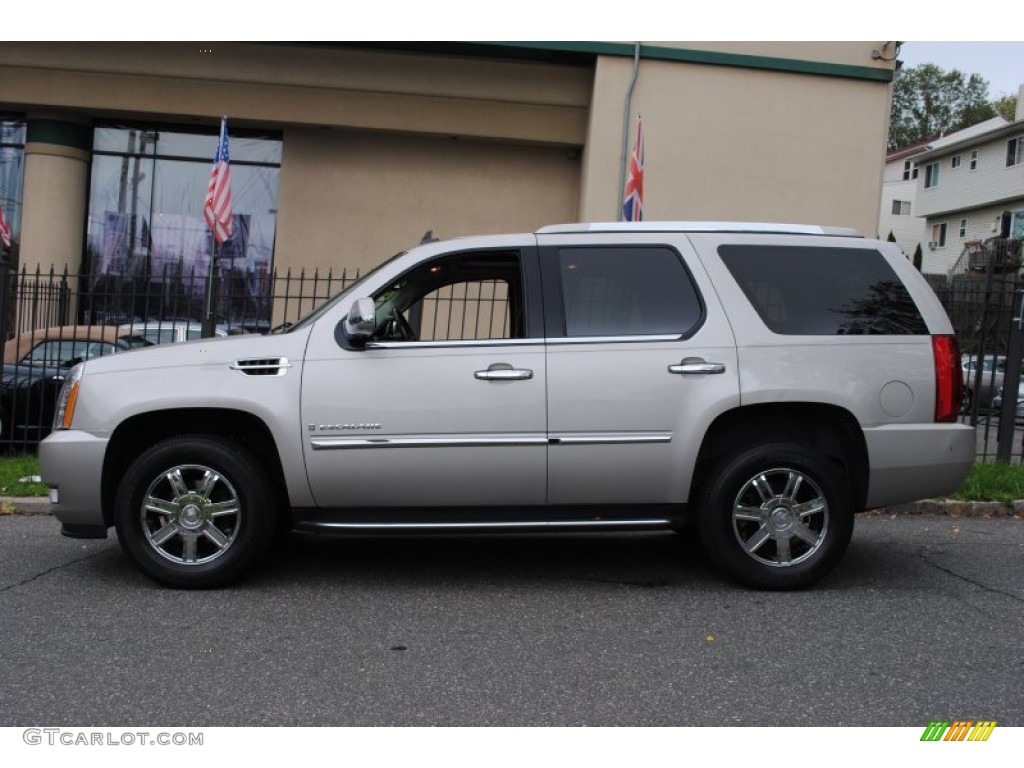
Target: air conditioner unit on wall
{"points": [[932, 245]]}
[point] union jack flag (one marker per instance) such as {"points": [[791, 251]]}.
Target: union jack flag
{"points": [[633, 204], [218, 193], [5, 230]]}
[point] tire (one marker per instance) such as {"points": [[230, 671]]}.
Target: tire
{"points": [[776, 516], [195, 512]]}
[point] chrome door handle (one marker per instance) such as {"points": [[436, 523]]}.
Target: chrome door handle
{"points": [[696, 365], [503, 372]]}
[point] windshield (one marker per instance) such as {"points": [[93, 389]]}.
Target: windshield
{"points": [[313, 316]]}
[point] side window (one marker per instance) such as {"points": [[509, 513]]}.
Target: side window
{"points": [[823, 291], [57, 353], [627, 291], [475, 296]]}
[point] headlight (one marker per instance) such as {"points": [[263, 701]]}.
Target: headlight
{"points": [[68, 397]]}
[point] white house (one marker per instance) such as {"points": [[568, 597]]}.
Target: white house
{"points": [[971, 190], [900, 211]]}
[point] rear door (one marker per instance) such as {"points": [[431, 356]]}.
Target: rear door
{"points": [[641, 359]]}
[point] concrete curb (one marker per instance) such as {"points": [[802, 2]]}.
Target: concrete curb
{"points": [[954, 508], [26, 505], [40, 505]]}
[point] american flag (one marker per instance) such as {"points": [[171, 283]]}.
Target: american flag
{"points": [[5, 230], [633, 204], [218, 193]]}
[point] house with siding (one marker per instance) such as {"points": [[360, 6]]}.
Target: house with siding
{"points": [[970, 193], [899, 212]]}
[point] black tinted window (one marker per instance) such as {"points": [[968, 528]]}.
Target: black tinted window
{"points": [[627, 292], [823, 291]]}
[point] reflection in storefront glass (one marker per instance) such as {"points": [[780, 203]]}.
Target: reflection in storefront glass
{"points": [[149, 250]]}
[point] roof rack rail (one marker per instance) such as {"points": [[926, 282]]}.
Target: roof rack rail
{"points": [[698, 226]]}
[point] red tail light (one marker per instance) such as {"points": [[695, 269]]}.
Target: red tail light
{"points": [[949, 380]]}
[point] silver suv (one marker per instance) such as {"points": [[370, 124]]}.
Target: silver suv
{"points": [[764, 381]]}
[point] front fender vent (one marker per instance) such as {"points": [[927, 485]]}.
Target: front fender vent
{"points": [[262, 366]]}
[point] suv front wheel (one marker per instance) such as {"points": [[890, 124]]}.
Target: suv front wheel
{"points": [[776, 516], [195, 511]]}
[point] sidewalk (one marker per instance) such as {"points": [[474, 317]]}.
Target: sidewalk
{"points": [[40, 505]]}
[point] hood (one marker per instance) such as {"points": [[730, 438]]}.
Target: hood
{"points": [[218, 351]]}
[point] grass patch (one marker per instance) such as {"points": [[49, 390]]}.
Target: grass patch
{"points": [[993, 482], [12, 469]]}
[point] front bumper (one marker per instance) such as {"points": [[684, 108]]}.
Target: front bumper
{"points": [[917, 461], [71, 464]]}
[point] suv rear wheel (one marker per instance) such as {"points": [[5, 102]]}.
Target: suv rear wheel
{"points": [[776, 516], [195, 511]]}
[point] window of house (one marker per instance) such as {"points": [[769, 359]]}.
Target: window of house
{"points": [[638, 291], [931, 175], [909, 170], [901, 207], [955, 161], [974, 159], [963, 229], [1015, 151], [939, 235]]}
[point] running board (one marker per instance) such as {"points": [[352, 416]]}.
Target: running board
{"points": [[659, 517]]}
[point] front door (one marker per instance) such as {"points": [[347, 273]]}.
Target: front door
{"points": [[446, 407]]}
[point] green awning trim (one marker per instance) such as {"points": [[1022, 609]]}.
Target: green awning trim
{"points": [[716, 58]]}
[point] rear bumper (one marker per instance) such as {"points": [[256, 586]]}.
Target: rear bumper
{"points": [[71, 464], [917, 461]]}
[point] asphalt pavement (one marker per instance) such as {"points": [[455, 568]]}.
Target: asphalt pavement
{"points": [[923, 620]]}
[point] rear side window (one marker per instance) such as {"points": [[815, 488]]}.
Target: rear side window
{"points": [[823, 291], [639, 291]]}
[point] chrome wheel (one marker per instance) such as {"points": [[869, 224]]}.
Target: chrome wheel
{"points": [[191, 514], [780, 517]]}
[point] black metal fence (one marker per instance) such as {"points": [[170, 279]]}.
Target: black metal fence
{"points": [[49, 319], [985, 309]]}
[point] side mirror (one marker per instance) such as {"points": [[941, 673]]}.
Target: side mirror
{"points": [[362, 320]]}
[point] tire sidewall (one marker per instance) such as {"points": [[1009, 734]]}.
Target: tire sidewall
{"points": [[239, 468], [715, 521]]}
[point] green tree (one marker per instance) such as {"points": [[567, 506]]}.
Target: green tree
{"points": [[928, 101], [918, 257], [1006, 106], [891, 238]]}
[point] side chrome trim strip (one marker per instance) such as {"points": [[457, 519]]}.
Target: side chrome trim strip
{"points": [[511, 525], [612, 339], [454, 344], [617, 438], [345, 443]]}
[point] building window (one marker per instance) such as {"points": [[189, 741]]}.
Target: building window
{"points": [[955, 161], [12, 177], [901, 207], [963, 229], [909, 170], [146, 226], [1015, 151], [938, 236], [974, 159], [931, 175]]}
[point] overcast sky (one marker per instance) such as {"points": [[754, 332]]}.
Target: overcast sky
{"points": [[1002, 64]]}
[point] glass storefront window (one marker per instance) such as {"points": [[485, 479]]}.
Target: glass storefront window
{"points": [[12, 179], [149, 250]]}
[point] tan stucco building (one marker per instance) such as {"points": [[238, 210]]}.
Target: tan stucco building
{"points": [[379, 143]]}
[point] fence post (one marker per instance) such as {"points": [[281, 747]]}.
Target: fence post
{"points": [[1011, 381]]}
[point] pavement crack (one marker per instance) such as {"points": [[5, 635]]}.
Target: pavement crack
{"points": [[961, 577], [32, 578]]}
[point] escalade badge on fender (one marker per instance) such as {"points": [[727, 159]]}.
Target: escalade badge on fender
{"points": [[344, 427]]}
